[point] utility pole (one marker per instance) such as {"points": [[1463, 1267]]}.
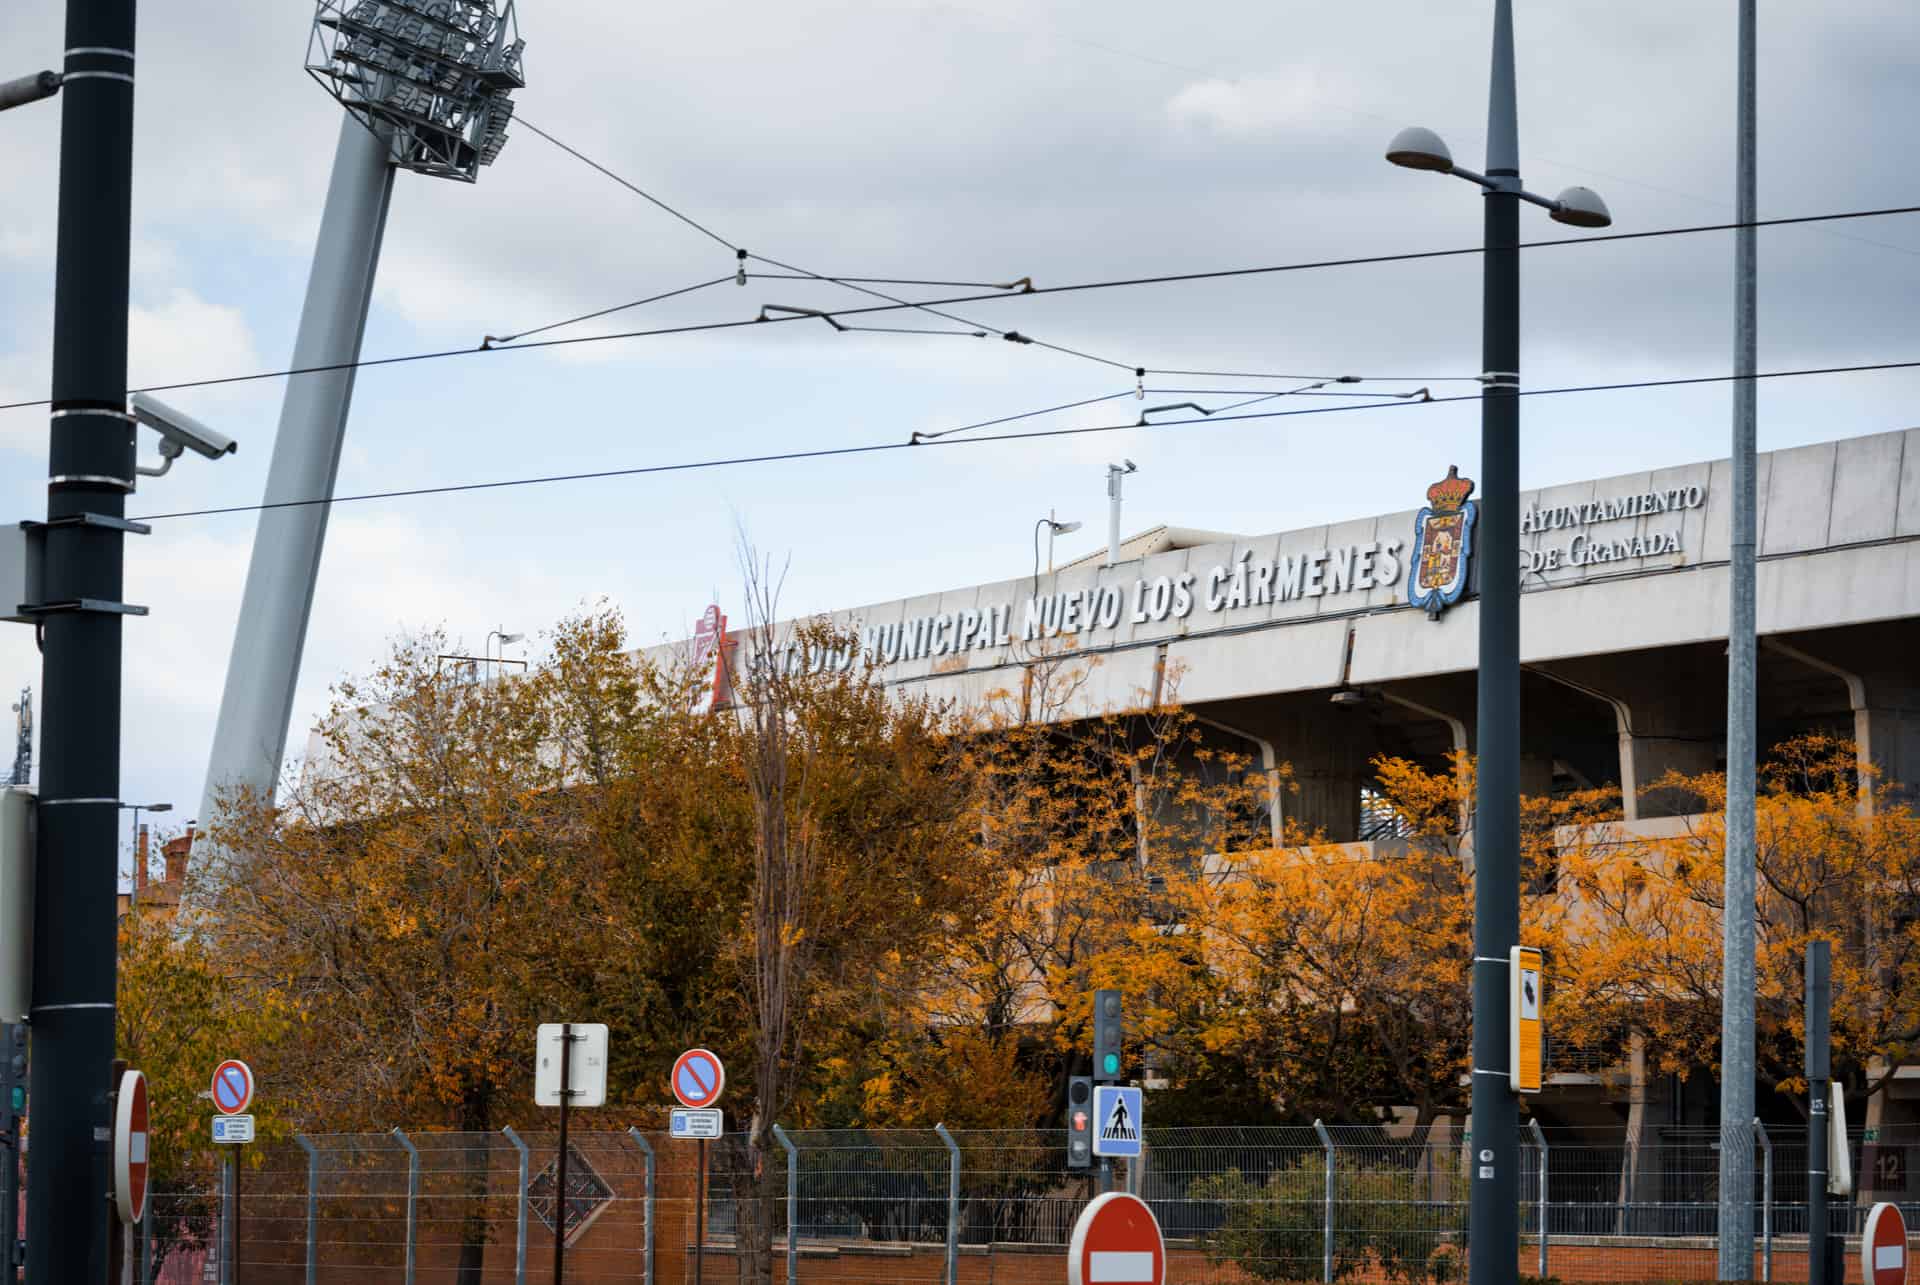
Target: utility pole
{"points": [[1737, 946], [90, 473], [1493, 1206]]}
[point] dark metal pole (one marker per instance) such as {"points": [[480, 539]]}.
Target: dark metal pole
{"points": [[237, 1168], [560, 1165], [700, 1221], [90, 472], [1819, 1074], [1493, 1211]]}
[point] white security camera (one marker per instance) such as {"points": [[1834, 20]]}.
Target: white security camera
{"points": [[178, 429]]}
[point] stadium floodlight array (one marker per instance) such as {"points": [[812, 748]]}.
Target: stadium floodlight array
{"points": [[439, 74]]}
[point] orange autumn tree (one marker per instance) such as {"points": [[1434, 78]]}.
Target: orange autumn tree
{"points": [[1342, 968], [1837, 857], [1081, 822]]}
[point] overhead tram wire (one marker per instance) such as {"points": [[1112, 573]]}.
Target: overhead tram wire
{"points": [[487, 343], [806, 274], [876, 448], [644, 195], [1070, 288]]}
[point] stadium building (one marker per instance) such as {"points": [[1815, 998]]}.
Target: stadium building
{"points": [[1328, 646]]}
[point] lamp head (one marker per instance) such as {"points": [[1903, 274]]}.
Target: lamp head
{"points": [[511, 638], [159, 807], [1581, 207], [1063, 528], [1419, 148]]}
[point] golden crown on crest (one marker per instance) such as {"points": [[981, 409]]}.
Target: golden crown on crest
{"points": [[1450, 492]]}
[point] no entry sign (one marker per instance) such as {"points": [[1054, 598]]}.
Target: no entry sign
{"points": [[698, 1078], [1117, 1242], [232, 1087], [130, 1147], [1883, 1247]]}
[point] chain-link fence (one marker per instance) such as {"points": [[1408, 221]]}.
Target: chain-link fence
{"points": [[1376, 1204]]}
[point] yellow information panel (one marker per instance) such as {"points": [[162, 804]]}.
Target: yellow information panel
{"points": [[1528, 1052]]}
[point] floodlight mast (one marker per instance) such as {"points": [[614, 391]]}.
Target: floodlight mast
{"points": [[427, 87]]}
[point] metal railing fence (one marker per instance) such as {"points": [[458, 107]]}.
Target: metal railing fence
{"points": [[1384, 1205]]}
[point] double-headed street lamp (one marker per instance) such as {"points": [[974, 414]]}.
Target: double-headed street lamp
{"points": [[1493, 1210]]}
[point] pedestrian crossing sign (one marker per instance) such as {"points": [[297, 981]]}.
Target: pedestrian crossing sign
{"points": [[1117, 1121]]}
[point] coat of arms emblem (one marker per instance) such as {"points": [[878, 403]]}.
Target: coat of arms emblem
{"points": [[1443, 544]]}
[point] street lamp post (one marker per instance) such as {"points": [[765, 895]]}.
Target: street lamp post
{"points": [[505, 638], [1493, 1209], [137, 809]]}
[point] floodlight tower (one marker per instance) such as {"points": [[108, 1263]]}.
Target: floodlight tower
{"points": [[428, 86]]}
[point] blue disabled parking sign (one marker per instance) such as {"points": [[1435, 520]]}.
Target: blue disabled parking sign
{"points": [[1116, 1121]]}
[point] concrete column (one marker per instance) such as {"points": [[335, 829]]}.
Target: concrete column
{"points": [[1667, 713]]}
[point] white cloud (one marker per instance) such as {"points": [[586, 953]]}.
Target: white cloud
{"points": [[185, 333], [1245, 108]]}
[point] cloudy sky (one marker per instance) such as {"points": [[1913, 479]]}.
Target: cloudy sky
{"points": [[978, 140]]}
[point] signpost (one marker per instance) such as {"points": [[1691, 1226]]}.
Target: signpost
{"points": [[1524, 1008], [688, 1123], [233, 1087], [698, 1078], [1117, 1121], [697, 1081], [1883, 1246], [570, 1067], [130, 1148], [1117, 1242]]}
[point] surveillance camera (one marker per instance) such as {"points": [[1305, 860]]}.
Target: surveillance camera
{"points": [[1131, 466], [180, 429]]}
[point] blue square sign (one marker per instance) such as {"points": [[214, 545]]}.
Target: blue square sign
{"points": [[1117, 1122]]}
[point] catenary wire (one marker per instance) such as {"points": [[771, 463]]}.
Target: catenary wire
{"points": [[1073, 287], [603, 312], [637, 191], [875, 448], [1008, 419], [805, 273]]}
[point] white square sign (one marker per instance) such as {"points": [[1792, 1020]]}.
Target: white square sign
{"points": [[587, 1067]]}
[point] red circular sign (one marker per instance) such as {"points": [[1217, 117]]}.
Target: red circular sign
{"points": [[697, 1078], [1117, 1242], [232, 1087], [1883, 1247], [130, 1147]]}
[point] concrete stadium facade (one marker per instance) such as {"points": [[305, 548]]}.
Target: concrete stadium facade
{"points": [[1306, 647]]}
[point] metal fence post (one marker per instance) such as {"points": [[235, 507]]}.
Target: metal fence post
{"points": [[1540, 1141], [146, 1243], [1766, 1200], [1326, 1250], [313, 1207], [953, 1204], [646, 1251], [413, 1199], [793, 1202], [520, 1214]]}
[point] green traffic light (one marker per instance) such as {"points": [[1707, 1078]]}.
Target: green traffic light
{"points": [[19, 1097], [1112, 1064]]}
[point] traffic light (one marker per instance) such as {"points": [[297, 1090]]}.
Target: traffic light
{"points": [[1080, 1122], [13, 1078], [1107, 1036]]}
